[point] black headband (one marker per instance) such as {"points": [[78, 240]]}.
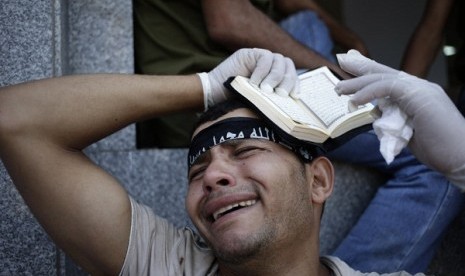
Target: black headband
{"points": [[246, 128]]}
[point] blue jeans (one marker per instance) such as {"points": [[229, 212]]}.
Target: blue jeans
{"points": [[405, 221], [308, 29]]}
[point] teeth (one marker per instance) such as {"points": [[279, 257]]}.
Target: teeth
{"points": [[229, 207]]}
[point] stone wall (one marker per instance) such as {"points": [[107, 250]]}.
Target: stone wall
{"points": [[41, 39], [30, 48]]}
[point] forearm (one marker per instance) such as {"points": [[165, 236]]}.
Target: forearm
{"points": [[75, 111], [420, 53], [341, 35], [237, 24], [427, 38]]}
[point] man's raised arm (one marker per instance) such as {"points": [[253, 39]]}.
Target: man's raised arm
{"points": [[45, 124]]}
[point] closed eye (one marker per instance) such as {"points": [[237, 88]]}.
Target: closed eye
{"points": [[246, 151], [196, 173]]}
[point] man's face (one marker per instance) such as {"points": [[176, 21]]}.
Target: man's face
{"points": [[249, 195]]}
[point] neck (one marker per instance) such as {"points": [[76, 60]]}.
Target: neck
{"points": [[319, 269], [300, 258]]}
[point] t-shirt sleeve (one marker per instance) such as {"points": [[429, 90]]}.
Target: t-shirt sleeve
{"points": [[157, 247], [340, 268]]}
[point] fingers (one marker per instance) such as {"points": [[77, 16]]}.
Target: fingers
{"points": [[370, 89], [272, 72], [356, 64], [399, 89], [381, 85], [290, 82], [283, 80], [260, 62], [373, 91], [275, 74], [353, 85]]}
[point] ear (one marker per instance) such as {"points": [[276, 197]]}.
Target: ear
{"points": [[321, 179]]}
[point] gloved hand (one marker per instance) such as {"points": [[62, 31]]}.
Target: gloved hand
{"points": [[266, 69], [439, 128]]}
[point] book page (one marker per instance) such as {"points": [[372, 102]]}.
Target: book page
{"points": [[317, 93], [318, 114], [290, 107]]}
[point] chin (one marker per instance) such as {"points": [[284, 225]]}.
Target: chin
{"points": [[237, 249], [236, 254]]}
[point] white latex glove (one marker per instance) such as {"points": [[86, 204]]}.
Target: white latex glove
{"points": [[268, 70], [439, 128]]}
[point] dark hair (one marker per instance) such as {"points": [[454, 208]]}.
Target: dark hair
{"points": [[221, 109]]}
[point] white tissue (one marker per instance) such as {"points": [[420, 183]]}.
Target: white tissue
{"points": [[393, 129]]}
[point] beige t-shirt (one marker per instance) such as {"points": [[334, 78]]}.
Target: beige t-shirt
{"points": [[157, 247]]}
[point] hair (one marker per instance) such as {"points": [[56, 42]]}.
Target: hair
{"points": [[221, 109]]}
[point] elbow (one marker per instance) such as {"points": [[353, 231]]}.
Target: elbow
{"points": [[3, 114], [219, 36], [10, 119], [7, 126]]}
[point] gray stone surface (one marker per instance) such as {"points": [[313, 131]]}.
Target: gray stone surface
{"points": [[100, 36], [27, 41], [40, 39], [30, 49], [100, 41]]}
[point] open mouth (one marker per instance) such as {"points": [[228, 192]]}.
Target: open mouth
{"points": [[231, 208]]}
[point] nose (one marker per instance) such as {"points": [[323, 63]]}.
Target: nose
{"points": [[219, 174]]}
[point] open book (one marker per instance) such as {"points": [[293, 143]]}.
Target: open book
{"points": [[318, 115]]}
